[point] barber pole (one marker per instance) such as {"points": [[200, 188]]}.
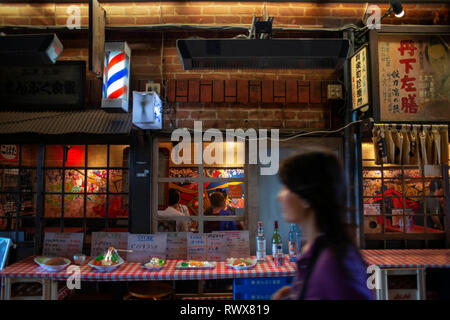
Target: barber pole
{"points": [[116, 75]]}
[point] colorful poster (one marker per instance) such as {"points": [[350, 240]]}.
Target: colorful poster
{"points": [[101, 241], [145, 246], [65, 244], [414, 77]]}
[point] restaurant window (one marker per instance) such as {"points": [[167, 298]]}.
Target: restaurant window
{"points": [[85, 189], [18, 166], [195, 185], [401, 202]]}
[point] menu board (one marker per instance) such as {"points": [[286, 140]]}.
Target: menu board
{"points": [[177, 245], [216, 247], [145, 246], [360, 93], [101, 241], [62, 244], [196, 246], [237, 242]]}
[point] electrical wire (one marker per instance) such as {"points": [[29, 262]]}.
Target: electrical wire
{"points": [[294, 136]]}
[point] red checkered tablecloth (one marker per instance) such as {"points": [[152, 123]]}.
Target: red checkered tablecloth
{"points": [[129, 271], [408, 258]]}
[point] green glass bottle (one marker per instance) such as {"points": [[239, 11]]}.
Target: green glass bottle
{"points": [[277, 245]]}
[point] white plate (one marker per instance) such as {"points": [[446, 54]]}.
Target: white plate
{"points": [[231, 260], [107, 268], [208, 265], [156, 268], [41, 262]]}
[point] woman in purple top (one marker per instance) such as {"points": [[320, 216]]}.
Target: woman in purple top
{"points": [[313, 196]]}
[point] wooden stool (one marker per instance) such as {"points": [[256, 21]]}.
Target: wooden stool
{"points": [[153, 290]]}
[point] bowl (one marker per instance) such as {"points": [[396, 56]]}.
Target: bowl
{"points": [[55, 268], [107, 268]]}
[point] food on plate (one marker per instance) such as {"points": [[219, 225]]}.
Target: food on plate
{"points": [[55, 261], [154, 263], [194, 263], [109, 259], [238, 262]]}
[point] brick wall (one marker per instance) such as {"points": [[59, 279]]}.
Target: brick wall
{"points": [[208, 95]]}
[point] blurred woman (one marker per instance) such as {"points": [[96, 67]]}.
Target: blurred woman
{"points": [[313, 196]]}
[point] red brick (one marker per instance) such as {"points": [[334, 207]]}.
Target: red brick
{"points": [[227, 19], [119, 20], [185, 123], [242, 91], [291, 91], [291, 12], [267, 91], [188, 10], [137, 11], [321, 12], [203, 115], [270, 123], [303, 94], [194, 91], [316, 92], [205, 91], [147, 20], [295, 124], [183, 114], [250, 10], [216, 9], [230, 88], [201, 19], [343, 13], [255, 91], [218, 91], [280, 88], [182, 89]]}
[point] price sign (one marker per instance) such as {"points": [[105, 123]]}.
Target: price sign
{"points": [[101, 241], [196, 246], [238, 245], [217, 247], [62, 244], [177, 245], [145, 246]]}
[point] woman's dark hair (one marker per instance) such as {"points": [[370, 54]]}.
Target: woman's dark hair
{"points": [[317, 176], [174, 197], [217, 199], [435, 184]]}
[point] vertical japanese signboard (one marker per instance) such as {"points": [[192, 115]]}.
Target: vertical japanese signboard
{"points": [[359, 67], [414, 77], [97, 21]]}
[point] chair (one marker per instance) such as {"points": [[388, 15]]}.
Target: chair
{"points": [[152, 290]]}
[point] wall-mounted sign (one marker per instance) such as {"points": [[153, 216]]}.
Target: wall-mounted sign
{"points": [[97, 19], [60, 85], [147, 110], [360, 87], [413, 76], [146, 246], [116, 76]]}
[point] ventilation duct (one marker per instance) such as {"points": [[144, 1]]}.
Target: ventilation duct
{"points": [[262, 53]]}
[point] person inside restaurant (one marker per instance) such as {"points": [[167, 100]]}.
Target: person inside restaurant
{"points": [[176, 209]]}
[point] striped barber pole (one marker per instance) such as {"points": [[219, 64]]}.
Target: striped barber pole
{"points": [[116, 74]]}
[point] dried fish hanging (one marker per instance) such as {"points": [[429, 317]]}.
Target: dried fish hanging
{"points": [[410, 144]]}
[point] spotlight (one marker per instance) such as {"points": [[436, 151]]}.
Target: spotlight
{"points": [[396, 6]]}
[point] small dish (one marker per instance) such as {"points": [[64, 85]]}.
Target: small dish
{"points": [[79, 259], [154, 264], [41, 261], [241, 264]]}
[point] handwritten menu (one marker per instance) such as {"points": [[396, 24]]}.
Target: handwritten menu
{"points": [[101, 241], [62, 244], [145, 246], [216, 247], [177, 245], [196, 246], [237, 243]]}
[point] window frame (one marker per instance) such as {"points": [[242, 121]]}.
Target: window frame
{"points": [[200, 180]]}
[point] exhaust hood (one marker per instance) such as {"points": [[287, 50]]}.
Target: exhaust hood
{"points": [[262, 53]]}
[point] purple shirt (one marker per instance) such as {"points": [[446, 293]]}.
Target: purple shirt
{"points": [[328, 280]]}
